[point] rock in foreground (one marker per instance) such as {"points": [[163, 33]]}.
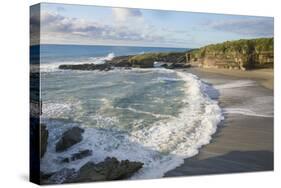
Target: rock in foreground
{"points": [[109, 169], [69, 138]]}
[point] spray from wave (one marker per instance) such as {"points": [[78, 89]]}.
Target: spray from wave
{"points": [[52, 67]]}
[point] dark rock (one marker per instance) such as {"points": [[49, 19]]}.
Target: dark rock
{"points": [[62, 176], [178, 66], [76, 156], [90, 66], [110, 169], [120, 61], [143, 64], [69, 138], [164, 65], [45, 176], [43, 140]]}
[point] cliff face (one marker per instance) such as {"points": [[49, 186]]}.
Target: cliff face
{"points": [[240, 54]]}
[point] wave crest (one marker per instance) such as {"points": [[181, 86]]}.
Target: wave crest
{"points": [[162, 146]]}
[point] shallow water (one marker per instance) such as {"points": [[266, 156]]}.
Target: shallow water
{"points": [[155, 116]]}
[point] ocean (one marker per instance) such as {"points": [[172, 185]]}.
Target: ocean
{"points": [[156, 116]]}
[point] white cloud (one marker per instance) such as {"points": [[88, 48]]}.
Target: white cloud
{"points": [[55, 27], [123, 14], [59, 29]]}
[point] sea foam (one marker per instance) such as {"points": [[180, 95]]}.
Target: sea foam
{"points": [[161, 147], [54, 66]]}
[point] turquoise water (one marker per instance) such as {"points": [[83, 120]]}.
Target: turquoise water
{"points": [[51, 53], [156, 116], [123, 98]]}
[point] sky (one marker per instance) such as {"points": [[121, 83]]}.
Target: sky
{"points": [[95, 25]]}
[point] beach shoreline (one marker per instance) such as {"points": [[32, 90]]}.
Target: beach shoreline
{"points": [[243, 142], [264, 76]]}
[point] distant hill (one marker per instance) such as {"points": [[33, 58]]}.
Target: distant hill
{"points": [[239, 54]]}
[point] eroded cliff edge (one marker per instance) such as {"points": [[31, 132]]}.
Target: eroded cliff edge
{"points": [[239, 54]]}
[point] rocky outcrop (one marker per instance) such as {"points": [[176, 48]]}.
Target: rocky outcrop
{"points": [[79, 155], [240, 54], [69, 138], [43, 139], [177, 66], [88, 67], [120, 61], [147, 60], [109, 169]]}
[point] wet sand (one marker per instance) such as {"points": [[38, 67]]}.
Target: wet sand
{"points": [[243, 142], [264, 76]]}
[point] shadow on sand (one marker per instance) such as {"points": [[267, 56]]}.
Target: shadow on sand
{"points": [[232, 162]]}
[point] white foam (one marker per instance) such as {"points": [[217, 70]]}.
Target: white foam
{"points": [[245, 101], [236, 84], [161, 147], [54, 66], [181, 137], [101, 60], [158, 64], [55, 110], [246, 112], [144, 112], [163, 79]]}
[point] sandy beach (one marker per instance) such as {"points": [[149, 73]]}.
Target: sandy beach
{"points": [[264, 76], [244, 139]]}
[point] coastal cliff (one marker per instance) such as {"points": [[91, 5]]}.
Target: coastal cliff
{"points": [[170, 60], [240, 54]]}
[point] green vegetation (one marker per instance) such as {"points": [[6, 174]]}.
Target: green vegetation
{"points": [[252, 53], [147, 59]]}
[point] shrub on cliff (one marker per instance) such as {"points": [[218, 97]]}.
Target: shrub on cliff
{"points": [[147, 59], [251, 53]]}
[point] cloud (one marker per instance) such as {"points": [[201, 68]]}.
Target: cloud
{"points": [[130, 29], [123, 14], [57, 26], [256, 27]]}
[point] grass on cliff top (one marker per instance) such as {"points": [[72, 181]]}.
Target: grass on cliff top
{"points": [[240, 46], [155, 56]]}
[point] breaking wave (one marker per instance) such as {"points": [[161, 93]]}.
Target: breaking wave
{"points": [[161, 147], [51, 67]]}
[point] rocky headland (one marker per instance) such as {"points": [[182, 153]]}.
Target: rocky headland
{"points": [[238, 54], [170, 60]]}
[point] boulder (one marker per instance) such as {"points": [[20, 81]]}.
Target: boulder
{"points": [[76, 156], [109, 169], [69, 138], [43, 139]]}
